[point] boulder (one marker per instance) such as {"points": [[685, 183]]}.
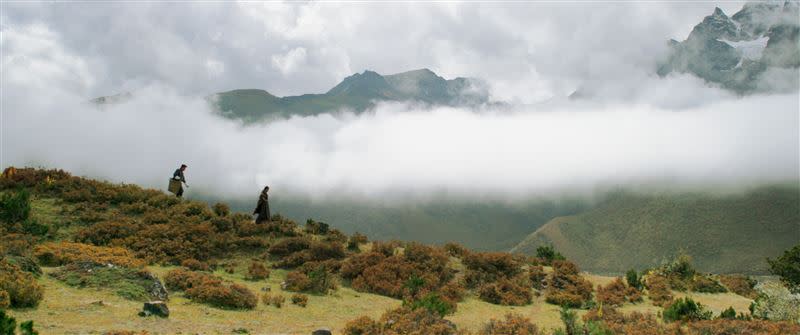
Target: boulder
{"points": [[321, 331], [157, 308]]}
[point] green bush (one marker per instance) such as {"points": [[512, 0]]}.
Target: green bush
{"points": [[633, 279], [685, 309], [706, 284], [20, 286], [548, 254], [787, 267], [434, 304], [729, 314], [15, 206]]}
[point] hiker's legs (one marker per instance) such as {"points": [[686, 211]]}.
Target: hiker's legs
{"points": [[180, 192]]}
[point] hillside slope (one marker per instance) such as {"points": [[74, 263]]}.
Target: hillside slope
{"points": [[723, 234]]}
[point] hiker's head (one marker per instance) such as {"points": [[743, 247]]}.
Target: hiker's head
{"points": [[183, 167], [266, 188]]}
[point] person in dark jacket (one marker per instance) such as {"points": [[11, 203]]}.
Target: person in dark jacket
{"points": [[178, 175], [262, 208]]}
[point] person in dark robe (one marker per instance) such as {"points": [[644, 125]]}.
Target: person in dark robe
{"points": [[178, 175], [262, 208]]}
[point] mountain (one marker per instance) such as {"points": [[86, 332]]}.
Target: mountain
{"points": [[740, 51], [733, 233], [357, 92]]}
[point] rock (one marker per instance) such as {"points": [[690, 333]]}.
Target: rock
{"points": [[155, 289], [283, 285], [98, 303], [321, 331], [157, 308], [266, 289]]}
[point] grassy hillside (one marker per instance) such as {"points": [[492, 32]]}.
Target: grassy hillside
{"points": [[731, 233], [482, 225]]}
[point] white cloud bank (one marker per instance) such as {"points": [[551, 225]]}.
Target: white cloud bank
{"points": [[639, 129]]}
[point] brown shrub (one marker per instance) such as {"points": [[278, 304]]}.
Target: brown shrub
{"points": [[612, 294], [300, 299], [312, 277], [234, 296], [289, 246], [221, 209], [506, 292], [537, 276], [658, 290], [357, 239], [194, 265], [633, 294], [454, 291], [209, 289], [566, 287], [17, 287], [257, 271], [514, 324], [107, 232], [385, 248], [354, 265], [60, 253], [418, 270], [455, 250], [748, 327], [362, 325], [418, 321], [489, 267], [741, 285], [276, 300], [5, 299], [15, 244], [631, 324]]}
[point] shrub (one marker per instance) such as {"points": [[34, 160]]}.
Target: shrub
{"points": [[434, 303], [5, 300], [20, 287], [776, 302], [505, 292], [300, 299], [489, 267], [7, 323], [706, 284], [357, 239], [633, 279], [749, 327], [15, 206], [455, 250], [316, 228], [60, 253], [207, 288], [685, 309], [741, 285], [194, 265], [362, 325], [289, 246], [221, 209], [570, 320], [566, 287], [276, 300], [537, 276], [658, 290], [548, 254], [612, 294], [313, 278], [787, 267], [257, 271], [513, 324], [417, 321], [729, 313], [453, 291]]}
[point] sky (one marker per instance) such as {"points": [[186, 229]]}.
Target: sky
{"points": [[639, 128]]}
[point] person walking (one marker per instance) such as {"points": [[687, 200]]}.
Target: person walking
{"points": [[262, 208], [178, 175]]}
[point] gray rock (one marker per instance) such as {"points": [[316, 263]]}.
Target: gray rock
{"points": [[157, 308], [322, 331]]}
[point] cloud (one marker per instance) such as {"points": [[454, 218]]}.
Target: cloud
{"points": [[636, 128]]}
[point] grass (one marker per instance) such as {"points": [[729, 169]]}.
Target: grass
{"points": [[732, 233]]}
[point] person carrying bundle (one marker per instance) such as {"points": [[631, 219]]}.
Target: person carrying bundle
{"points": [[262, 208], [177, 181]]}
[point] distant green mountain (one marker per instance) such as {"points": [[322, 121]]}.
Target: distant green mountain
{"points": [[357, 93], [733, 233], [735, 52]]}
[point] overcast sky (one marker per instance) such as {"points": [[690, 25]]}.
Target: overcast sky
{"points": [[640, 127]]}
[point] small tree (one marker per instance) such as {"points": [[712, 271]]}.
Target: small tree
{"points": [[633, 279], [549, 254], [787, 267]]}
